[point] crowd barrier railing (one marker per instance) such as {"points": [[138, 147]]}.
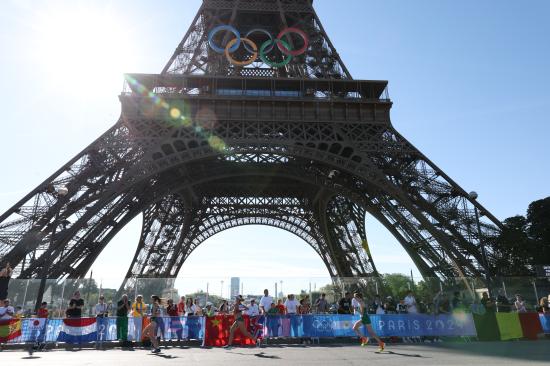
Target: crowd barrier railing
{"points": [[214, 331]]}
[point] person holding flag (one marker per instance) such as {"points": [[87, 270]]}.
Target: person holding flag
{"points": [[365, 320]]}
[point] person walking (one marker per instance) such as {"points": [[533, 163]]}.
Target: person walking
{"points": [[365, 320], [123, 308], [238, 323], [150, 330]]}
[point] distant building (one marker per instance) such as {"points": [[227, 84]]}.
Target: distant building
{"points": [[235, 286]]}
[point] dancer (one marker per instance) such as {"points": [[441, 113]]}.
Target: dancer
{"points": [[239, 322], [150, 330], [365, 320]]}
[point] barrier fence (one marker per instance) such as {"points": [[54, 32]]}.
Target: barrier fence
{"points": [[214, 331], [24, 292]]}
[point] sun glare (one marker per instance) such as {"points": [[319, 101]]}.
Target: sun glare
{"points": [[84, 44]]}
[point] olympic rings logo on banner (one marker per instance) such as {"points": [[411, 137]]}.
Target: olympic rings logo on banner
{"points": [[249, 45]]}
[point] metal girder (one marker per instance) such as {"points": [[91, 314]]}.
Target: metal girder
{"points": [[194, 56], [304, 148]]}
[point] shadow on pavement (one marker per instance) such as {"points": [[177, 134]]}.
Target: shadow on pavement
{"points": [[521, 350], [259, 355], [162, 355], [400, 354]]}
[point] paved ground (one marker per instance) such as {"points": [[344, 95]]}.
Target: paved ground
{"points": [[474, 354]]}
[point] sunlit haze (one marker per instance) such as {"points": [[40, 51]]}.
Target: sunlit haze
{"points": [[469, 81]]}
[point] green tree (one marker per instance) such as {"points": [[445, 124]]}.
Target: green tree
{"points": [[512, 248], [538, 219], [523, 242], [201, 295], [332, 291], [395, 284]]}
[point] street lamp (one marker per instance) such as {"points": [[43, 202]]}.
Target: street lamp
{"points": [[473, 195], [61, 191]]}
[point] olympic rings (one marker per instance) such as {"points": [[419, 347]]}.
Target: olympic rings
{"points": [[258, 30], [263, 57], [215, 30], [285, 49], [266, 47], [245, 41]]}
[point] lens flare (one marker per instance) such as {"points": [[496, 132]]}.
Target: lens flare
{"points": [[175, 113], [178, 117]]}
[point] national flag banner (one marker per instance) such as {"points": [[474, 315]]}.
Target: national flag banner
{"points": [[509, 326], [10, 329], [34, 329], [342, 325], [193, 326], [545, 323], [216, 332], [78, 330], [257, 325], [530, 325]]}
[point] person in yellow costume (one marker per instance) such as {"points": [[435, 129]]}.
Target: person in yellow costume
{"points": [[139, 310]]}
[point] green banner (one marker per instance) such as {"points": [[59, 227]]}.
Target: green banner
{"points": [[486, 327], [509, 326]]}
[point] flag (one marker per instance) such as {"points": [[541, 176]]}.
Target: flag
{"points": [[34, 329], [9, 329], [257, 324], [216, 331], [530, 325], [509, 326], [78, 330], [545, 323]]}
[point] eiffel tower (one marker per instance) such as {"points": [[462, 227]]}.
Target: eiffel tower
{"points": [[255, 119]]}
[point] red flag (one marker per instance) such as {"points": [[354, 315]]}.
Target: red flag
{"points": [[216, 332], [9, 329], [531, 326]]}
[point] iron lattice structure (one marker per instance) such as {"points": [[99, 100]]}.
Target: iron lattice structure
{"points": [[206, 146]]}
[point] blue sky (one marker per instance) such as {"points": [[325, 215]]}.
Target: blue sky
{"points": [[469, 81]]}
